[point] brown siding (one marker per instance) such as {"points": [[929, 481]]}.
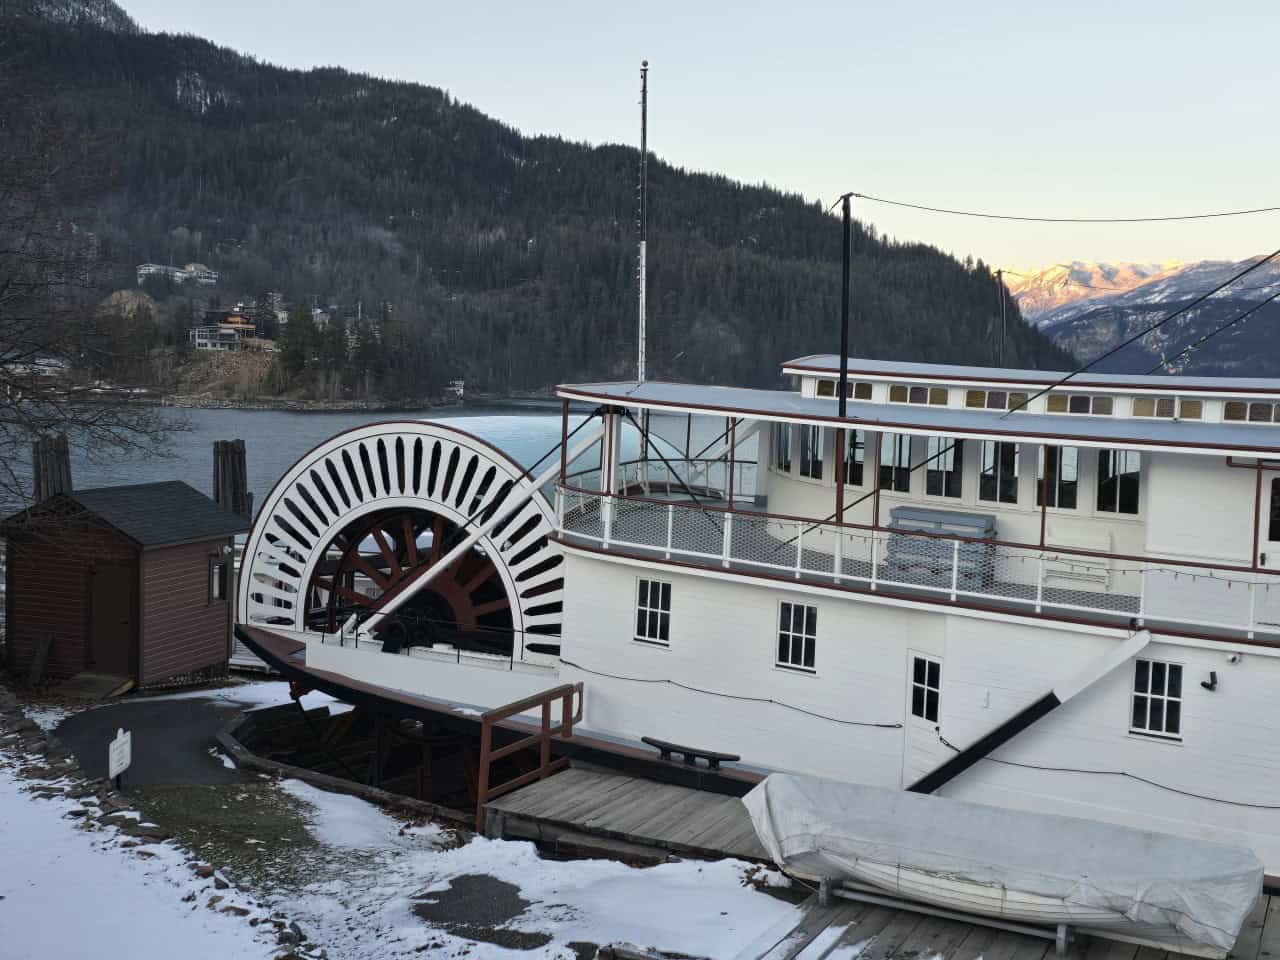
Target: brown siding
{"points": [[181, 630], [47, 593]]}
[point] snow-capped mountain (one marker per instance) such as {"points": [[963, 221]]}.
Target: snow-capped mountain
{"points": [[1091, 325], [1039, 290]]}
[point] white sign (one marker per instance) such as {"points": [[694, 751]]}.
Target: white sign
{"points": [[119, 754]]}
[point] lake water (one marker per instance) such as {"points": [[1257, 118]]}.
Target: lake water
{"points": [[275, 440]]}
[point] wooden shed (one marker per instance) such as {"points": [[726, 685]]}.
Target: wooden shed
{"points": [[129, 581]]}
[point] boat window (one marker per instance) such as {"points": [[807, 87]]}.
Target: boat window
{"points": [[1259, 413], [975, 398], [897, 393], [653, 612], [811, 452], [1161, 407], [797, 635], [938, 396], [1119, 475], [994, 400], [1058, 477], [998, 477], [1079, 403], [926, 688], [1190, 409], [855, 457], [826, 388], [862, 391], [782, 447], [944, 463], [1157, 698], [1235, 410], [1274, 533], [895, 462], [933, 396]]}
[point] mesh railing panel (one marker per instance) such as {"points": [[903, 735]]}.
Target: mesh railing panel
{"points": [[1022, 578]]}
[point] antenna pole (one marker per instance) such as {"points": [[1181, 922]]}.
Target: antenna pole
{"points": [[644, 211], [846, 223]]}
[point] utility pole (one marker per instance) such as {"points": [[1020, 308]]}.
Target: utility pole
{"points": [[1000, 294], [846, 229], [644, 210]]}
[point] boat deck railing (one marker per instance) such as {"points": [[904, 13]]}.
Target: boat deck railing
{"points": [[1061, 582]]}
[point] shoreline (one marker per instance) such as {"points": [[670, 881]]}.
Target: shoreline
{"points": [[286, 405]]}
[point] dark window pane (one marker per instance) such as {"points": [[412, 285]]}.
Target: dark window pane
{"points": [[782, 648], [997, 400], [917, 701], [1141, 675], [1102, 406], [931, 705], [1175, 680], [826, 388], [1157, 715], [811, 621], [862, 391], [1173, 717], [666, 596], [664, 626], [1140, 713], [1273, 533], [1157, 678], [808, 652], [1259, 413], [918, 670], [640, 620], [1234, 410], [1078, 404], [644, 593], [784, 616], [935, 674], [919, 395]]}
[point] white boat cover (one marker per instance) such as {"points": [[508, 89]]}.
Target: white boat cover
{"points": [[1194, 889]]}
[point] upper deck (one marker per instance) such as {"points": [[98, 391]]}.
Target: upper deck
{"points": [[1133, 497]]}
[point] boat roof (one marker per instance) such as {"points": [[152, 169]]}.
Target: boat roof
{"points": [[1185, 436], [829, 363]]}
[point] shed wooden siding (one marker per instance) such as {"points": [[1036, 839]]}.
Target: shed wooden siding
{"points": [[181, 630]]}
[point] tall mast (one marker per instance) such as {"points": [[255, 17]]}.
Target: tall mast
{"points": [[643, 222]]}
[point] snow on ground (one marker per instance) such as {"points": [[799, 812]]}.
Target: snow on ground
{"points": [[702, 908], [256, 694], [47, 717], [69, 893]]}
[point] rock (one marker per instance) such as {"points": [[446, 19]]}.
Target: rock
{"points": [[287, 938], [293, 925], [214, 901], [220, 884], [149, 831], [204, 871], [78, 812]]}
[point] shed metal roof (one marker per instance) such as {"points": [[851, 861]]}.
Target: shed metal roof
{"points": [[943, 372], [154, 514], [1185, 436]]}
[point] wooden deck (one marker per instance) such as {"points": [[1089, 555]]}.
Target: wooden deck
{"points": [[847, 930], [632, 810], [637, 813]]}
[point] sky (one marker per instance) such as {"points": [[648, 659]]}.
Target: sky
{"points": [[1119, 109]]}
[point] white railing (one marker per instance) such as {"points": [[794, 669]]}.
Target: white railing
{"points": [[958, 570], [706, 479]]}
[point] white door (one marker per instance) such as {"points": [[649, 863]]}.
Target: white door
{"points": [[922, 749]]}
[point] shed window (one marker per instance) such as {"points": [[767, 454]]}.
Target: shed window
{"points": [[926, 688], [1157, 698], [217, 580], [945, 460], [895, 462], [998, 478], [1058, 477], [782, 447], [1119, 474], [855, 457], [797, 635], [653, 612], [811, 452]]}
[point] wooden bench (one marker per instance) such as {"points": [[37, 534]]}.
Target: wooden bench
{"points": [[690, 755]]}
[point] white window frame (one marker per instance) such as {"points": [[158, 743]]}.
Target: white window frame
{"points": [[1150, 695], [807, 634], [925, 688], [655, 615]]}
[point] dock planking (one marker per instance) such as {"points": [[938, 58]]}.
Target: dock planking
{"points": [[683, 820]]}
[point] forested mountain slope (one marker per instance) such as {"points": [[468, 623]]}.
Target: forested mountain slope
{"points": [[505, 259]]}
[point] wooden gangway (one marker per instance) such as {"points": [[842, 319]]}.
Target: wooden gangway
{"points": [[632, 810]]}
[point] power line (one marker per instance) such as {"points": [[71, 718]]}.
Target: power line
{"points": [[1142, 333], [1005, 216]]}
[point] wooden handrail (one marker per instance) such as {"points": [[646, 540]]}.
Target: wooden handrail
{"points": [[541, 739]]}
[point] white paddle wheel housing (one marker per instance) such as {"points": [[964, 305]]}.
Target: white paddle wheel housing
{"points": [[412, 533]]}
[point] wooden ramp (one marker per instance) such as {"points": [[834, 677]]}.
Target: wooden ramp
{"points": [[847, 929], [632, 810]]}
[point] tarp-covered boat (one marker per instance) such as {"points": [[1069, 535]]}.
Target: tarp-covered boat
{"points": [[1033, 868]]}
